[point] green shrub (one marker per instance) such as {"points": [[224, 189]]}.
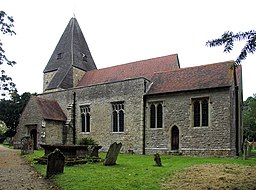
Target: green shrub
{"points": [[86, 141]]}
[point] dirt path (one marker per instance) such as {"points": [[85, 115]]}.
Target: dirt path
{"points": [[16, 174]]}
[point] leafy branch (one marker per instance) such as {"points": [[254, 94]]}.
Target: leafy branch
{"points": [[228, 38], [6, 27]]}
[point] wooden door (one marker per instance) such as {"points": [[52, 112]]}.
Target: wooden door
{"points": [[175, 138]]}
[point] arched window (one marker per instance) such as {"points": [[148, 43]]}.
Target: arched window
{"points": [[115, 125], [88, 127], [83, 122], [85, 118], [205, 112], [121, 120], [201, 112], [159, 116], [152, 116], [118, 116], [156, 115], [196, 114]]}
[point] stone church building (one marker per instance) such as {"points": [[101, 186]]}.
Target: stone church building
{"points": [[149, 106]]}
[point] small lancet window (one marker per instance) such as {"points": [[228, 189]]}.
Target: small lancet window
{"points": [[196, 114], [115, 122], [83, 122], [84, 57], [152, 116], [59, 55], [121, 120], [159, 116], [205, 112]]}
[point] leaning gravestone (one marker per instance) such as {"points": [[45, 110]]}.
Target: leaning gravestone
{"points": [[112, 154], [26, 145], [55, 163], [157, 159]]}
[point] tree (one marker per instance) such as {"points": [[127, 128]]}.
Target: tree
{"points": [[3, 128], [228, 38], [249, 117], [10, 110], [6, 84]]}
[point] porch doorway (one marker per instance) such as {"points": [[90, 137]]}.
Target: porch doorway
{"points": [[33, 136], [175, 138]]}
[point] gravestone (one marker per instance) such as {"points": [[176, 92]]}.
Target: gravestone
{"points": [[250, 144], [245, 149], [112, 154], [55, 163], [157, 159], [26, 145]]}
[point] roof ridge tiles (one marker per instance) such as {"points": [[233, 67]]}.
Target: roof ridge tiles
{"points": [[193, 78], [133, 62], [143, 68], [197, 66]]}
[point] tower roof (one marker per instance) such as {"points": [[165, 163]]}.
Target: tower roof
{"points": [[71, 51]]}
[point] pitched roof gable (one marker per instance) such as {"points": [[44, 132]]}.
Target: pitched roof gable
{"points": [[50, 109], [71, 51], [193, 78], [144, 68]]}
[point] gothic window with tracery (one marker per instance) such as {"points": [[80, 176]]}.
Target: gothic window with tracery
{"points": [[152, 116], [85, 118], [200, 112], [156, 115], [118, 116]]}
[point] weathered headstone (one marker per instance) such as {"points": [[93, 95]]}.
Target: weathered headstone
{"points": [[245, 149], [26, 145], [250, 144], [157, 159], [55, 163], [112, 154]]}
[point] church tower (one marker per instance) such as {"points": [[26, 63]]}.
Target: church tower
{"points": [[69, 61]]}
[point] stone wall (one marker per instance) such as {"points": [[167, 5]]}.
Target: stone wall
{"points": [[54, 132], [47, 78], [100, 99], [77, 75], [215, 139]]}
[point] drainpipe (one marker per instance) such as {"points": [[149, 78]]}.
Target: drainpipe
{"points": [[74, 118], [236, 110]]}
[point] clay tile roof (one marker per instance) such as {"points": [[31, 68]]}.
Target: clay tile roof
{"points": [[144, 68], [193, 78], [50, 109]]}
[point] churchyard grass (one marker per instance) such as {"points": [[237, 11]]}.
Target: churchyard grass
{"points": [[131, 171]]}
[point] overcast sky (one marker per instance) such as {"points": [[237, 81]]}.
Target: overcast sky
{"points": [[123, 31]]}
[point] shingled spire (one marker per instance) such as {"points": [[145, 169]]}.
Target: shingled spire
{"points": [[70, 59]]}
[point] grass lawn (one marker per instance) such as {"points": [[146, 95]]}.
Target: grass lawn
{"points": [[131, 171]]}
